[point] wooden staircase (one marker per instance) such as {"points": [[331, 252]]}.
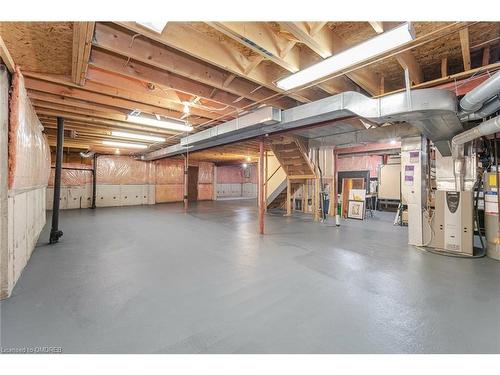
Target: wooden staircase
{"points": [[292, 154]]}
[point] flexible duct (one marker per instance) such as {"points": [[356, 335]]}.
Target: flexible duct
{"points": [[475, 98], [488, 127]]}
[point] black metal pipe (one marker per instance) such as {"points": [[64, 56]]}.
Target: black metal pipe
{"points": [[55, 233], [94, 180]]}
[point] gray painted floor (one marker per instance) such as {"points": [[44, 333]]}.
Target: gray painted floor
{"points": [[153, 279]]}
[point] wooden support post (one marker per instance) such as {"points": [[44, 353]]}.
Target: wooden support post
{"points": [[262, 180], [288, 197], [306, 195], [266, 174], [486, 56], [316, 199], [444, 67], [335, 183]]}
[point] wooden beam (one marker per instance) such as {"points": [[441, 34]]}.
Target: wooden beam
{"points": [[326, 43], [408, 61], [6, 57], [262, 39], [464, 43], [82, 42], [317, 42], [444, 67], [219, 52], [142, 49], [288, 197], [486, 56], [377, 26], [121, 98], [111, 69]]}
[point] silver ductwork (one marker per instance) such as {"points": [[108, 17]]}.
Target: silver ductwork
{"points": [[488, 127], [432, 111], [491, 106], [475, 98]]}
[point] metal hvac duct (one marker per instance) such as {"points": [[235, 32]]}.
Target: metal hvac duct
{"points": [[432, 111], [474, 99], [488, 127], [491, 106]]}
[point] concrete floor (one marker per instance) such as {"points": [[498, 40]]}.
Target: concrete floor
{"points": [[155, 280]]}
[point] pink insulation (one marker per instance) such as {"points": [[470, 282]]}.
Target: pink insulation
{"points": [[229, 174], [205, 192], [122, 170], [235, 174], [360, 163], [29, 152], [71, 177], [205, 173], [169, 171]]}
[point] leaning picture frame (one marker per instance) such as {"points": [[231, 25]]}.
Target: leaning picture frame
{"points": [[356, 210]]}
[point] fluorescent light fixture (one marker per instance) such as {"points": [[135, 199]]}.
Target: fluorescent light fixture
{"points": [[142, 137], [124, 144], [156, 26], [375, 46], [164, 124]]}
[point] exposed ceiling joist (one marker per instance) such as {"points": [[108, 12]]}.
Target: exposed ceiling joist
{"points": [[408, 61], [191, 41], [147, 51], [82, 42], [464, 43]]}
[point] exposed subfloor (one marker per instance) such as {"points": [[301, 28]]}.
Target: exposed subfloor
{"points": [[152, 279]]}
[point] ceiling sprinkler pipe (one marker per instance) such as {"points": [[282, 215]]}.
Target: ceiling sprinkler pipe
{"points": [[475, 98]]}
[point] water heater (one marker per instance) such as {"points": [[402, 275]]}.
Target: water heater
{"points": [[452, 224]]}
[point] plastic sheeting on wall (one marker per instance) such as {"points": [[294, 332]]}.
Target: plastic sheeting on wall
{"points": [[72, 177], [360, 163], [29, 152], [205, 192], [169, 193], [205, 173], [235, 174], [123, 170], [169, 171]]}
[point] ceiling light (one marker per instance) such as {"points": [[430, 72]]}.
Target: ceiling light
{"points": [[393, 142], [372, 47], [244, 165], [156, 26], [164, 124], [143, 137], [124, 144], [248, 158], [186, 108], [117, 151]]}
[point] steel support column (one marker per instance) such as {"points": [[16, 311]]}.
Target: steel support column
{"points": [[55, 233]]}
